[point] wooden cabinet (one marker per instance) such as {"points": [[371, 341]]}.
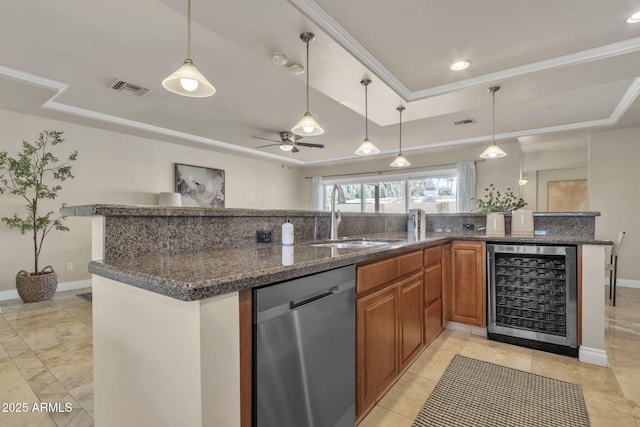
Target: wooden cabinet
{"points": [[389, 323], [377, 345], [446, 284], [468, 283], [410, 318], [433, 274]]}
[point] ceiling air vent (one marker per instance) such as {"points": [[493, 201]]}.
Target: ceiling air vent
{"points": [[464, 122], [122, 86]]}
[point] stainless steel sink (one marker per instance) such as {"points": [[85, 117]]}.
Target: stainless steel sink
{"points": [[353, 244]]}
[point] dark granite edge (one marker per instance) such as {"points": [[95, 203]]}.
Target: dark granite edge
{"points": [[192, 291], [159, 211], [540, 214], [150, 210]]}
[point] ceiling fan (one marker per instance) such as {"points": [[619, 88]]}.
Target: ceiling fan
{"points": [[289, 142]]}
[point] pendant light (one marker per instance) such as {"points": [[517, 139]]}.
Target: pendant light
{"points": [[187, 80], [493, 151], [367, 147], [400, 161], [307, 126]]}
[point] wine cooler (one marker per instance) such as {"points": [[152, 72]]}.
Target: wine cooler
{"points": [[533, 296]]}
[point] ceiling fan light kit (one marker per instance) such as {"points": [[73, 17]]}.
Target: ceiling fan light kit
{"points": [[493, 151], [400, 161], [307, 126], [367, 147], [187, 80]]}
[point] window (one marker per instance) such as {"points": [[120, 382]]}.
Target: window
{"points": [[433, 191]]}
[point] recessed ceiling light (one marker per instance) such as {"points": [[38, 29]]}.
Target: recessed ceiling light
{"points": [[459, 65], [634, 18]]}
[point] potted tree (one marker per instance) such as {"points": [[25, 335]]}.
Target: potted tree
{"points": [[24, 176]]}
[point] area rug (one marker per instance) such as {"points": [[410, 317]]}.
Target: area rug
{"points": [[476, 393], [87, 295]]}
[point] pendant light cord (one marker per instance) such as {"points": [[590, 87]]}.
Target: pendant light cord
{"points": [[493, 128], [307, 76], [400, 109], [366, 112], [189, 31]]}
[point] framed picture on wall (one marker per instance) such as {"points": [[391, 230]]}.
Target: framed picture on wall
{"points": [[200, 186], [567, 196]]}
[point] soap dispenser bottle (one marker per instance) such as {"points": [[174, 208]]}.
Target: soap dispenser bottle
{"points": [[287, 232]]}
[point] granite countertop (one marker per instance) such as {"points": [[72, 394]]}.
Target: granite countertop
{"points": [[196, 276]]}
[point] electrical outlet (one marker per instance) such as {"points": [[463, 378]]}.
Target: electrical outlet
{"points": [[263, 236], [467, 227], [68, 266]]}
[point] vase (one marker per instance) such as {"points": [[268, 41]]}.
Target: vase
{"points": [[37, 287], [495, 224]]}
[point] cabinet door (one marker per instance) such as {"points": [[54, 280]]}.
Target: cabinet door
{"points": [[446, 284], [468, 291], [433, 283], [411, 312], [432, 320], [377, 345]]}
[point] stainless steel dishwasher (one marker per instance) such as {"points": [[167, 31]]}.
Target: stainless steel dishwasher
{"points": [[304, 351]]}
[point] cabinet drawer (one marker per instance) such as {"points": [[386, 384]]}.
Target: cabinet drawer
{"points": [[410, 262], [378, 273], [372, 275], [432, 255]]}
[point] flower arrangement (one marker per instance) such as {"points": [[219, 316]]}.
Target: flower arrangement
{"points": [[495, 201]]}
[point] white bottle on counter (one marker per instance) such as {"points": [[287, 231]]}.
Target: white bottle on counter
{"points": [[287, 232]]}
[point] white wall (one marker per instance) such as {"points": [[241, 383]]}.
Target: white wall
{"points": [[614, 159], [115, 168]]}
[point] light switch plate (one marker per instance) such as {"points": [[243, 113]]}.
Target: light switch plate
{"points": [[263, 236]]}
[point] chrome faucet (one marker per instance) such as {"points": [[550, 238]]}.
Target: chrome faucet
{"points": [[336, 222]]}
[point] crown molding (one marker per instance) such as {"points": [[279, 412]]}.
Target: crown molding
{"points": [[347, 41], [59, 88]]}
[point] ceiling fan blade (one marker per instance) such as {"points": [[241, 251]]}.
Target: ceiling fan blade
{"points": [[269, 145], [295, 150], [306, 144], [266, 139]]}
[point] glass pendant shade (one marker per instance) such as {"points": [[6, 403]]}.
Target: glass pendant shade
{"points": [[188, 81], [492, 152], [307, 126], [367, 148], [522, 181], [400, 162]]}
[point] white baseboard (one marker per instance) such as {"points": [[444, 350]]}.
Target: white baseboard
{"points": [[473, 330], [66, 286], [593, 356], [624, 283]]}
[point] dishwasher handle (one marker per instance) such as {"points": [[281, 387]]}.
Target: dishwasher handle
{"points": [[312, 298]]}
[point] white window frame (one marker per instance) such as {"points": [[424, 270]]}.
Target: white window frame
{"points": [[378, 178]]}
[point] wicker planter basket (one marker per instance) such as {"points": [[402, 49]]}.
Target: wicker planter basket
{"points": [[37, 287]]}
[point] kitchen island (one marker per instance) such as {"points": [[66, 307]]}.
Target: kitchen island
{"points": [[167, 331]]}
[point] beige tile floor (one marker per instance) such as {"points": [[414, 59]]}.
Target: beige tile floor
{"points": [[612, 394], [46, 356]]}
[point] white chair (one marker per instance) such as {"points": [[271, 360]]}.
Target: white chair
{"points": [[612, 266]]}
